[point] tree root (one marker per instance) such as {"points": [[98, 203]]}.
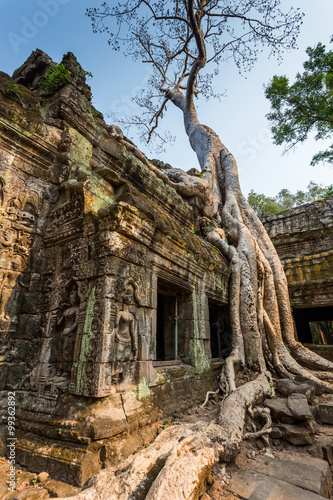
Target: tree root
{"points": [[264, 414], [233, 410], [207, 397]]}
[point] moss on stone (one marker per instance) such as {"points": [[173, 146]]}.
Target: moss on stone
{"points": [[88, 335], [142, 390]]}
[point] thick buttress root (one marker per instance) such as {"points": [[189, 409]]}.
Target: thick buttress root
{"points": [[260, 313]]}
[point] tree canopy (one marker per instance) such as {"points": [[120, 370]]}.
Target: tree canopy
{"points": [[185, 42], [266, 205], [306, 105]]}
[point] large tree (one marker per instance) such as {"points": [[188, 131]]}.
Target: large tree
{"points": [[182, 39], [306, 105]]}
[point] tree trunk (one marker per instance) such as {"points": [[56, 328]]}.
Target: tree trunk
{"points": [[260, 314]]}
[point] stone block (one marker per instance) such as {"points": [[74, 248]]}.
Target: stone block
{"points": [[280, 410], [322, 448], [299, 407], [255, 486], [300, 434], [312, 474], [287, 387], [67, 462], [295, 407], [325, 413], [28, 326], [32, 303], [185, 308]]}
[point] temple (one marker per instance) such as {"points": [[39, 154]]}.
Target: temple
{"points": [[113, 306]]}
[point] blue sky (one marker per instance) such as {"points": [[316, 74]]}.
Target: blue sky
{"points": [[59, 26]]}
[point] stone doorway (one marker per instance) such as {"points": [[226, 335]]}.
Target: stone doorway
{"points": [[172, 331], [314, 325], [219, 330]]}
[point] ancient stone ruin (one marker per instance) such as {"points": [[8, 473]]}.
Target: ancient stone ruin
{"points": [[97, 254], [113, 306], [303, 238]]}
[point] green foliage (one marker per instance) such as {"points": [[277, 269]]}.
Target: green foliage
{"points": [[87, 73], [306, 105], [263, 205], [266, 205], [13, 87], [55, 78]]}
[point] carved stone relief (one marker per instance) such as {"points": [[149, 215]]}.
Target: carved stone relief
{"points": [[125, 345], [18, 218], [67, 325]]}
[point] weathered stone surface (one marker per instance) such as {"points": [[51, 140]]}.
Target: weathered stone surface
{"points": [[256, 486], [298, 434], [312, 474], [92, 241], [294, 408], [303, 239], [100, 267], [33, 69], [280, 410], [323, 446], [286, 387], [299, 407], [325, 413], [42, 476], [57, 489]]}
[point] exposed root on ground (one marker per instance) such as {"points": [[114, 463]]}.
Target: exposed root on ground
{"points": [[265, 414]]}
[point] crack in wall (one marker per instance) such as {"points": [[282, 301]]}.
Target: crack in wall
{"points": [[122, 404]]}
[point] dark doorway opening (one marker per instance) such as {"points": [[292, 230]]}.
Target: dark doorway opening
{"points": [[314, 325], [215, 332], [219, 331], [174, 323], [167, 330], [160, 350]]}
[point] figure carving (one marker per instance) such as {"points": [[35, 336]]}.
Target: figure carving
{"points": [[125, 342], [125, 324], [8, 282], [7, 238], [68, 321]]}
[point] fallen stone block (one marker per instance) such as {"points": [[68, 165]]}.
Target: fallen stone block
{"points": [[310, 473], [300, 434], [285, 387], [325, 413], [299, 407], [256, 486], [322, 448], [280, 410]]}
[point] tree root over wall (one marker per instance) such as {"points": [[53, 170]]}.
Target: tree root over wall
{"points": [[262, 337]]}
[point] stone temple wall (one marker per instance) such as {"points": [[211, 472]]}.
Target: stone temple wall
{"points": [[303, 238], [105, 292]]}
